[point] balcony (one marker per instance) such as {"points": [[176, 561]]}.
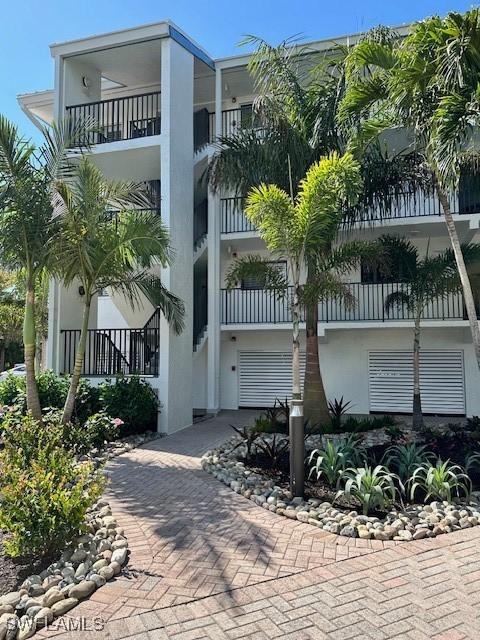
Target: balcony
{"points": [[257, 306], [117, 119], [111, 352], [420, 205]]}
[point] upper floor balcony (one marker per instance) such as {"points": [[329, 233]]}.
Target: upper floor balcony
{"points": [[258, 306], [420, 205], [122, 118]]}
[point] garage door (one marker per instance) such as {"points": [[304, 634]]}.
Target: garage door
{"points": [[265, 376], [441, 380]]}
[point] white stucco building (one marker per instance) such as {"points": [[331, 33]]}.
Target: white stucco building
{"points": [[160, 100]]}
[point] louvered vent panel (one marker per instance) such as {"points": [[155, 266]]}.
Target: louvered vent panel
{"points": [[441, 381]]}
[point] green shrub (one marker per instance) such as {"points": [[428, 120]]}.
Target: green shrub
{"points": [[101, 428], [52, 392], [132, 400], [374, 488], [440, 481], [45, 494], [9, 389]]}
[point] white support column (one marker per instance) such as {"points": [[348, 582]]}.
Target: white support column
{"points": [[214, 302], [175, 377]]}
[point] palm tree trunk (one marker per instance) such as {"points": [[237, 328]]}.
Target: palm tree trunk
{"points": [[77, 368], [314, 398], [296, 387], [462, 271], [417, 416], [29, 342]]}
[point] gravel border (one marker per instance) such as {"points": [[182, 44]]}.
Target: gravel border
{"points": [[414, 523]]}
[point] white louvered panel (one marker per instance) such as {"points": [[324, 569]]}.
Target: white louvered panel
{"points": [[441, 381], [265, 376]]}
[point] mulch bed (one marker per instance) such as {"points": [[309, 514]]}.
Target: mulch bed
{"points": [[13, 571]]}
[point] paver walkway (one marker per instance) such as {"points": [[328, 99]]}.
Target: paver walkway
{"points": [[207, 563]]}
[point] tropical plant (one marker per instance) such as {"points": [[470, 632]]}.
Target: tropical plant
{"points": [[115, 252], [472, 462], [374, 488], [26, 232], [405, 458], [424, 280], [248, 435], [337, 409], [273, 448], [330, 463], [440, 481], [294, 228], [426, 84]]}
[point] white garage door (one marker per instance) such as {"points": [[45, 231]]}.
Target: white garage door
{"points": [[265, 376], [441, 381]]}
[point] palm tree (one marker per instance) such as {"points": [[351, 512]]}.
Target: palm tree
{"points": [[298, 95], [101, 250], [26, 232], [426, 85], [424, 280], [297, 229]]}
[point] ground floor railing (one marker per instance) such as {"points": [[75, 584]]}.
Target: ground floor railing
{"points": [[257, 306], [112, 352]]}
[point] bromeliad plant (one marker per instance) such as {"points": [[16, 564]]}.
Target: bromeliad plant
{"points": [[375, 488], [248, 435], [405, 458], [440, 481]]}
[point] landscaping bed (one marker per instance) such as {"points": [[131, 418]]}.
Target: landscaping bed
{"points": [[258, 469], [59, 541]]}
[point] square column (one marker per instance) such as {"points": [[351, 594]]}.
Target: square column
{"points": [[176, 159], [214, 230]]}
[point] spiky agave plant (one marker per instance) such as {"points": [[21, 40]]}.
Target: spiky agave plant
{"points": [[375, 488], [441, 481]]}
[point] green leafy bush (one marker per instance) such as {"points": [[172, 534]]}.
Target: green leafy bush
{"points": [[52, 391], [440, 481], [132, 400], [45, 494], [374, 488]]}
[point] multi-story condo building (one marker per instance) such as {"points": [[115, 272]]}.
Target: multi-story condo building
{"points": [[159, 101]]}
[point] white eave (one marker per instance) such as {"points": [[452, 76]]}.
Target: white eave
{"points": [[37, 106]]}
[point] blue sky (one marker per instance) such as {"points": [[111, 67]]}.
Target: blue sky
{"points": [[29, 26]]}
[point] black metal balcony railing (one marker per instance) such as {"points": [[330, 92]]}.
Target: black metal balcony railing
{"points": [[112, 352], [233, 219], [466, 201], [258, 306], [118, 118], [112, 214]]}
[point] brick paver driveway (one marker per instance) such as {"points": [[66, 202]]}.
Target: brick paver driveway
{"points": [[207, 563]]}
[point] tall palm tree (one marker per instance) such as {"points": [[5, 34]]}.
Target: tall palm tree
{"points": [[26, 232], [298, 96], [425, 85], [100, 250], [296, 228], [425, 279]]}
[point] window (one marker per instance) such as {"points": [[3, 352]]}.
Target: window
{"points": [[252, 282], [375, 275]]}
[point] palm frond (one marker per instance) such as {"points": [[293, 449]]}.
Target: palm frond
{"points": [[267, 275]]}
